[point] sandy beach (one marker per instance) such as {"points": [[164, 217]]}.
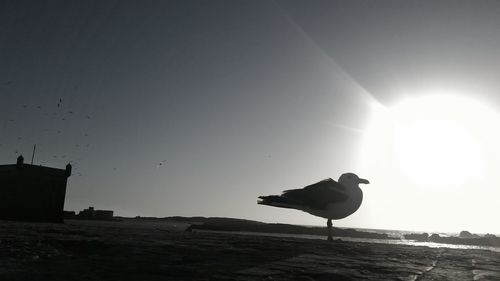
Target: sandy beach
{"points": [[148, 250]]}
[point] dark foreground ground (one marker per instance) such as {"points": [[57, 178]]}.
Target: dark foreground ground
{"points": [[92, 250]]}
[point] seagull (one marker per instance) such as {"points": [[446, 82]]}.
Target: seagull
{"points": [[327, 199], [8, 83]]}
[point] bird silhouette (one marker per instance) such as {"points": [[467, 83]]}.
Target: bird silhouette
{"points": [[327, 199]]}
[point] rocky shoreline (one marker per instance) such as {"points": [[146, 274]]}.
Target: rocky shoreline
{"points": [[464, 238], [236, 225], [240, 225], [157, 250]]}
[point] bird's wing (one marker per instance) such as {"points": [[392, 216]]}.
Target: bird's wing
{"points": [[317, 196]]}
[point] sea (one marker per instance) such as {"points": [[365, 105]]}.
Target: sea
{"points": [[395, 234]]}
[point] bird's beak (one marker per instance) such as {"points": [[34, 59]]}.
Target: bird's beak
{"points": [[363, 181]]}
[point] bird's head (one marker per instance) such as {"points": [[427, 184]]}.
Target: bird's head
{"points": [[350, 179]]}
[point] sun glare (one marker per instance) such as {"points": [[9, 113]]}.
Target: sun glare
{"points": [[437, 141]]}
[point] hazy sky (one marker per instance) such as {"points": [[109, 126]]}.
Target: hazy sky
{"points": [[198, 107]]}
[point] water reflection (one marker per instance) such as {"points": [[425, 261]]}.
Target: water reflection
{"points": [[364, 240]]}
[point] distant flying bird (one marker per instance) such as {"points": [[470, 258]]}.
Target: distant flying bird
{"points": [[327, 199]]}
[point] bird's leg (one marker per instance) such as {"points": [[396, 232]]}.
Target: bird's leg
{"points": [[329, 226]]}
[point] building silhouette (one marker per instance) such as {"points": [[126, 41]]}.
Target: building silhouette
{"points": [[32, 193], [91, 213]]}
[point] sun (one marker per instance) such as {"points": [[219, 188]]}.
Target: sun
{"points": [[434, 141]]}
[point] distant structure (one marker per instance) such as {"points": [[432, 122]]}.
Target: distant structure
{"points": [[32, 193], [90, 214]]}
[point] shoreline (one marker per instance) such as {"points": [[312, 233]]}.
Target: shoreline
{"points": [[134, 250], [390, 241], [241, 225]]}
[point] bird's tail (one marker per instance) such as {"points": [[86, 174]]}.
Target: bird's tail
{"points": [[274, 200]]}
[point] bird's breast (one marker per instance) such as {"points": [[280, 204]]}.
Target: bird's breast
{"points": [[344, 209]]}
